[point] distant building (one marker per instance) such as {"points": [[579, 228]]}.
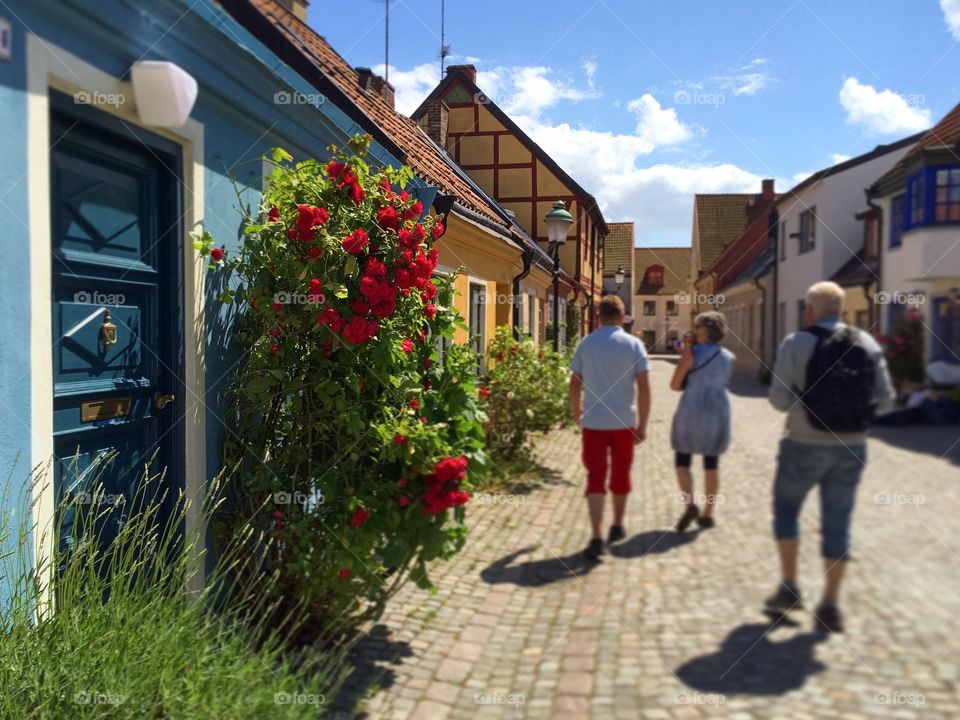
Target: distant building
{"points": [[662, 298], [740, 280], [919, 216], [618, 256]]}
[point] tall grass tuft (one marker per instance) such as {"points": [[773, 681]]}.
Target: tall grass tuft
{"points": [[120, 625]]}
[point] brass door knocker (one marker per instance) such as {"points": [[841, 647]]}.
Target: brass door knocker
{"points": [[108, 331]]}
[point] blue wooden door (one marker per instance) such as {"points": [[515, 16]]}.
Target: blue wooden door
{"points": [[117, 317]]}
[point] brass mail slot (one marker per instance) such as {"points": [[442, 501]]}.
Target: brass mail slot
{"points": [[104, 409]]}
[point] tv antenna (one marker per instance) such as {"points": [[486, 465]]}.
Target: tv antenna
{"points": [[444, 48]]}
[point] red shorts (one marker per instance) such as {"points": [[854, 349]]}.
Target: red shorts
{"points": [[596, 443]]}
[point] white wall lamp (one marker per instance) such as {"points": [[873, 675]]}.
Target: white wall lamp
{"points": [[164, 91]]}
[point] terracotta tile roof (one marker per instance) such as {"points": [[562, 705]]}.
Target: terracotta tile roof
{"points": [[945, 132], [720, 218], [676, 270], [618, 247], [426, 160]]}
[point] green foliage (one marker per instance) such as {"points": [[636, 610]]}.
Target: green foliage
{"points": [[341, 411], [904, 348], [125, 640], [526, 392]]}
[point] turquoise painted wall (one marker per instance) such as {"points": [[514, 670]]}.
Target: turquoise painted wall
{"points": [[238, 78]]}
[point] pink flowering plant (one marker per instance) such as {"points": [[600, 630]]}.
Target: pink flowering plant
{"points": [[904, 349], [353, 448]]}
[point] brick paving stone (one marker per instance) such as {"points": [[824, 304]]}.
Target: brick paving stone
{"points": [[668, 626]]}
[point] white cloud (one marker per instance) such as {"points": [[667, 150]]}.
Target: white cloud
{"points": [[748, 80], [610, 165], [590, 68], [532, 91], [657, 125], [745, 83], [837, 158], [881, 112], [951, 13], [411, 86]]}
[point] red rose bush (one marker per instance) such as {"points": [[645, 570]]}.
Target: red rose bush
{"points": [[352, 448]]}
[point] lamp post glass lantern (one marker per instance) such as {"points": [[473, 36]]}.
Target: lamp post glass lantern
{"points": [[558, 222], [620, 277]]}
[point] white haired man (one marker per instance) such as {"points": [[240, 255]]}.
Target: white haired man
{"points": [[830, 379]]}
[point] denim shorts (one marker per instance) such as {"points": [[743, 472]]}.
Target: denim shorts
{"points": [[836, 469]]}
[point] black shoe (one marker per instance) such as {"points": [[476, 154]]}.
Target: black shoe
{"points": [[594, 549], [689, 515], [783, 601], [617, 533], [705, 522], [828, 619]]}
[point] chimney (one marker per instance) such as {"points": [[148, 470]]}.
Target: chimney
{"points": [[384, 89], [438, 119], [767, 192], [297, 7], [364, 78], [470, 71]]}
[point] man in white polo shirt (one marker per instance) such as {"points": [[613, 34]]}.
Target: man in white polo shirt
{"points": [[610, 395]]}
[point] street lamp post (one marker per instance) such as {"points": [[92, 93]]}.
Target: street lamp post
{"points": [[558, 225], [619, 278]]}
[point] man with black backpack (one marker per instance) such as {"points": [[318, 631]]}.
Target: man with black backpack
{"points": [[830, 379]]}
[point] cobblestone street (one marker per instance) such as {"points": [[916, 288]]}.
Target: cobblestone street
{"points": [[669, 626]]}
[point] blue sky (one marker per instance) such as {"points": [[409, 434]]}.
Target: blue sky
{"points": [[646, 103]]}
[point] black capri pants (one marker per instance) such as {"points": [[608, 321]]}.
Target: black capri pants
{"points": [[710, 462]]}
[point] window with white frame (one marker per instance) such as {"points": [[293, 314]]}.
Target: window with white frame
{"points": [[808, 230], [477, 321]]}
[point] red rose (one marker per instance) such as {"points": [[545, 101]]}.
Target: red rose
{"points": [[355, 332], [484, 392], [331, 318], [399, 439], [344, 574], [427, 383], [357, 194], [427, 363], [384, 308], [414, 404], [216, 254], [451, 469], [359, 307], [277, 307], [407, 345], [315, 252], [387, 218], [273, 215], [430, 311], [274, 349], [418, 232], [359, 517], [334, 168], [437, 230], [423, 420], [355, 242], [404, 500]]}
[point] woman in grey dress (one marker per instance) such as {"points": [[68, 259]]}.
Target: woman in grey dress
{"points": [[701, 425]]}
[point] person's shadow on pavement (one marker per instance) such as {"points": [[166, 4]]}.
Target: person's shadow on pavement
{"points": [[536, 573], [749, 663], [652, 542]]}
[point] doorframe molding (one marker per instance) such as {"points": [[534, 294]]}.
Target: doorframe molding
{"points": [[50, 67]]}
